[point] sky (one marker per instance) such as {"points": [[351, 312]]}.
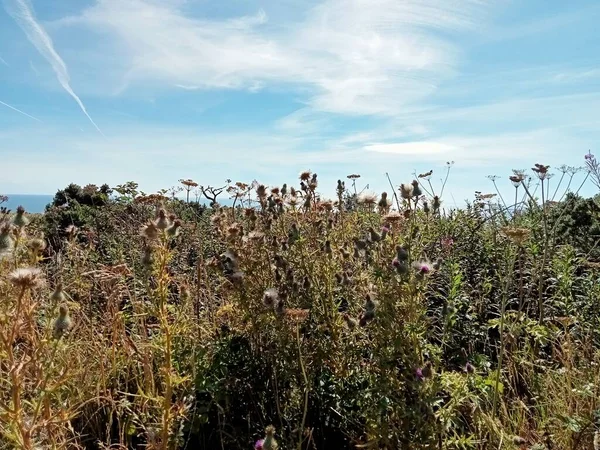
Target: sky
{"points": [[107, 91]]}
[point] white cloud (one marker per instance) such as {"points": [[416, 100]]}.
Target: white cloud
{"points": [[3, 61], [357, 56]]}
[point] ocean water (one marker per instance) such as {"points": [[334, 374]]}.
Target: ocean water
{"points": [[31, 203]]}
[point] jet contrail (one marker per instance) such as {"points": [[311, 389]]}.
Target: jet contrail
{"points": [[22, 12], [19, 111], [3, 61]]}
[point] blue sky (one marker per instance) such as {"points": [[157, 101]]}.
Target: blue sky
{"points": [[97, 91]]}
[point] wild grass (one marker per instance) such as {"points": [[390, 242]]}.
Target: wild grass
{"points": [[291, 321]]}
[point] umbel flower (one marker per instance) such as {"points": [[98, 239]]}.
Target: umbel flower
{"points": [[516, 234], [26, 277]]}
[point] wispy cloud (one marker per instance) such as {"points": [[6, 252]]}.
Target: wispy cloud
{"points": [[19, 111], [34, 69], [3, 61], [352, 57], [22, 12]]}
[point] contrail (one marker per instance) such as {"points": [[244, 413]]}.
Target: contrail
{"points": [[3, 61], [22, 12], [19, 111]]}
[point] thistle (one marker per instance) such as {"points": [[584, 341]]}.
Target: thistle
{"points": [[374, 236], [269, 442], [518, 440], [293, 234], [162, 222], [270, 297], [6, 240], [147, 257], [436, 203], [306, 283], [384, 203], [406, 191], [350, 321], [427, 370], [37, 246], [20, 220], [305, 175], [368, 199], [173, 230], [422, 268], [58, 295], [384, 232], [366, 317], [26, 277], [401, 253], [416, 192], [63, 323]]}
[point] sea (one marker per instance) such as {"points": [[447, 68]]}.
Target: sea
{"points": [[31, 203]]}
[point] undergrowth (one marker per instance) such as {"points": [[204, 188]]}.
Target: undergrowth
{"points": [[290, 321]]}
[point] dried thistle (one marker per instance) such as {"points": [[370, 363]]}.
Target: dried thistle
{"points": [[406, 191], [162, 222], [173, 230], [26, 277], [305, 175], [270, 297], [150, 231]]}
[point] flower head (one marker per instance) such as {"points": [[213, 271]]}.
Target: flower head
{"points": [[173, 230], [422, 267], [150, 231], [406, 190], [6, 240], [305, 175], [63, 323], [368, 199], [447, 243], [259, 444], [58, 295], [469, 368], [416, 189], [20, 220], [26, 277], [270, 297], [419, 374], [162, 222], [516, 234]]}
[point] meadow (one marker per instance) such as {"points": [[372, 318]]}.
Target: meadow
{"points": [[292, 321]]}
